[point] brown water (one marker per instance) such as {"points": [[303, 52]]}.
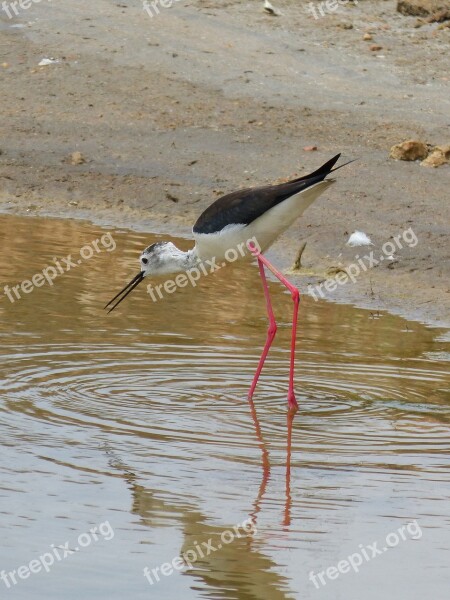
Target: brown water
{"points": [[140, 419]]}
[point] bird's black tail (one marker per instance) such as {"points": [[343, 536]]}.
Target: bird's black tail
{"points": [[324, 170]]}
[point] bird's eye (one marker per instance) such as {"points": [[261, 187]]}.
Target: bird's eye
{"points": [[144, 261]]}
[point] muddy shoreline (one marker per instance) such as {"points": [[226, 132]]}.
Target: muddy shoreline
{"points": [[173, 111]]}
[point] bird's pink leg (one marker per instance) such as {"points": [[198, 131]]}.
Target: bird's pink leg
{"points": [[263, 262], [270, 332]]}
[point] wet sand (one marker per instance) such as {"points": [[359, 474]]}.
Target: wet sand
{"points": [[174, 110]]}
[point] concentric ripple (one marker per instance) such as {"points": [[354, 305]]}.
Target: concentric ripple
{"points": [[142, 388]]}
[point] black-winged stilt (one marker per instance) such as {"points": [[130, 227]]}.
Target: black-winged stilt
{"points": [[259, 214]]}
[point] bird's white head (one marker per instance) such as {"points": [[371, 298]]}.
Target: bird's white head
{"points": [[160, 258]]}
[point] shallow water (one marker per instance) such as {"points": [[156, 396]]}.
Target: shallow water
{"points": [[139, 419]]}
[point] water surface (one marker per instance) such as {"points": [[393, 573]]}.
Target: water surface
{"points": [[140, 419]]}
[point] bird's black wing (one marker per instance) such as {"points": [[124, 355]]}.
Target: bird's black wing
{"points": [[244, 206]]}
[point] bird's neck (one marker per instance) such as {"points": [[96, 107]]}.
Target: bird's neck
{"points": [[183, 261]]}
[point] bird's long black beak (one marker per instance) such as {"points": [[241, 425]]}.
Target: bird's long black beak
{"points": [[126, 290]]}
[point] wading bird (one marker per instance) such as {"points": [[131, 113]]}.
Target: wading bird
{"points": [[253, 217]]}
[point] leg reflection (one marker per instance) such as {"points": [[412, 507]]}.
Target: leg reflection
{"points": [[288, 502], [265, 463]]}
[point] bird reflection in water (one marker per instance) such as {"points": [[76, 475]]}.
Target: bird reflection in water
{"points": [[240, 569]]}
